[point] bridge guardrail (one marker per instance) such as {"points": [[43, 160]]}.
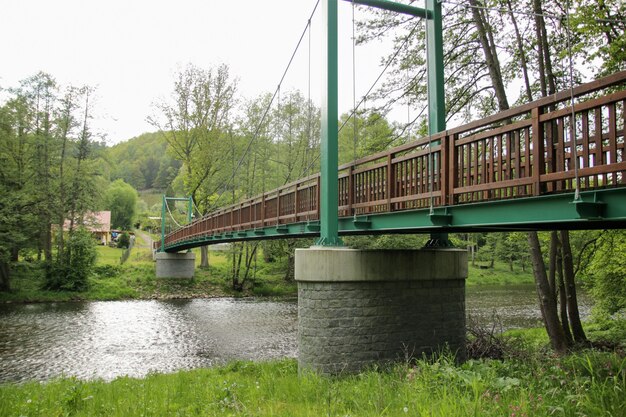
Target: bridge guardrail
{"points": [[524, 151]]}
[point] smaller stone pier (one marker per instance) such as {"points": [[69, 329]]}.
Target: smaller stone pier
{"points": [[175, 265], [361, 308]]}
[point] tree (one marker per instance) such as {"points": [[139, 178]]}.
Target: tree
{"points": [[607, 271], [194, 122], [48, 171], [73, 275], [600, 26], [121, 199]]}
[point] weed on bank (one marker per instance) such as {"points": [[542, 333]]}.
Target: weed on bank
{"points": [[584, 384]]}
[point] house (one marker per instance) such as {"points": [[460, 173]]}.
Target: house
{"points": [[98, 223]]}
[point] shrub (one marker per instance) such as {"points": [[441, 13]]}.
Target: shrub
{"points": [[71, 270], [124, 241]]}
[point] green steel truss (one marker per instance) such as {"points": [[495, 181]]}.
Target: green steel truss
{"points": [[598, 209]]}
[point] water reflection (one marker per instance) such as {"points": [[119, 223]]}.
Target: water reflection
{"points": [[110, 339], [114, 338], [510, 306]]}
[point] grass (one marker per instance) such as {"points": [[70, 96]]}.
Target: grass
{"points": [[589, 384], [498, 275], [136, 280]]}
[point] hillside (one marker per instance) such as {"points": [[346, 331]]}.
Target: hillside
{"points": [[143, 162]]}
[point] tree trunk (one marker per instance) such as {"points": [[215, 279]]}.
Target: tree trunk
{"points": [[554, 246], [204, 256], [570, 289], [522, 53], [546, 301], [249, 258], [291, 266], [563, 300], [5, 276], [491, 58]]}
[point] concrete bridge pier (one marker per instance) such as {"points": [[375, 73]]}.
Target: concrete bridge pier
{"points": [[175, 265], [359, 308]]}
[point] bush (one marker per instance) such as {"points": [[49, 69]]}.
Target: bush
{"points": [[124, 241], [72, 268]]}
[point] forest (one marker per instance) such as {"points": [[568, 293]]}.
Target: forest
{"points": [[211, 143]]}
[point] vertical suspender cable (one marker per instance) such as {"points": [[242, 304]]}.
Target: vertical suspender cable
{"points": [[408, 106], [354, 120], [308, 145], [573, 144], [309, 108]]}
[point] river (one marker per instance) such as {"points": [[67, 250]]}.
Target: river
{"points": [[107, 339]]}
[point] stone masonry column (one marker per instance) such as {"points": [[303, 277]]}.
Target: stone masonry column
{"points": [[359, 308], [175, 265]]}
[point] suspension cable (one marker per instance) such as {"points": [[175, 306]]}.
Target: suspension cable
{"points": [[225, 184], [381, 74], [172, 216], [354, 119], [309, 105], [408, 106]]}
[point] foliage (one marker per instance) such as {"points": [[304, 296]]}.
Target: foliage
{"points": [[585, 384], [386, 241], [121, 199], [49, 162], [608, 272], [143, 162], [72, 269], [123, 241], [601, 29]]}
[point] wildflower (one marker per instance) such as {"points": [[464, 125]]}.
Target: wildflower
{"points": [[405, 409]]}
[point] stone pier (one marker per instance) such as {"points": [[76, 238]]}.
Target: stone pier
{"points": [[360, 308], [175, 265]]}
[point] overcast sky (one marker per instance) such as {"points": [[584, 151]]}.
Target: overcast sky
{"points": [[130, 49]]}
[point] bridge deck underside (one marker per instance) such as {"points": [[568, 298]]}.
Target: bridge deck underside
{"points": [[517, 170]]}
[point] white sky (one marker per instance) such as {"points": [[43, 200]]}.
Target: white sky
{"points": [[130, 49]]}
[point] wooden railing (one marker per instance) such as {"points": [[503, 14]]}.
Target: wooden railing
{"points": [[522, 152]]}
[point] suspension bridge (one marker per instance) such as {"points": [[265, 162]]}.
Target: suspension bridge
{"points": [[555, 163], [516, 170]]}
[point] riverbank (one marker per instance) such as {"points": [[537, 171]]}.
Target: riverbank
{"points": [[588, 383], [135, 279]]}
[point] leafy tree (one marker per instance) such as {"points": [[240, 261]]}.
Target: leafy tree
{"points": [[73, 275], [121, 199], [607, 271], [195, 122], [48, 170], [124, 241]]}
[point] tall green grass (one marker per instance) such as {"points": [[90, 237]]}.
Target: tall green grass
{"points": [[591, 384]]}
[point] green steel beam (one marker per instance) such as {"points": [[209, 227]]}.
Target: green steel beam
{"points": [[393, 7], [436, 93], [601, 209], [329, 200]]}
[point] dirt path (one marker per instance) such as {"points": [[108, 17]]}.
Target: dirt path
{"points": [[145, 237]]}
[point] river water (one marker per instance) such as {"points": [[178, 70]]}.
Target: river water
{"points": [[108, 339]]}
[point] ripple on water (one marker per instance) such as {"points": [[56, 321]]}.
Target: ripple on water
{"points": [[115, 338]]}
